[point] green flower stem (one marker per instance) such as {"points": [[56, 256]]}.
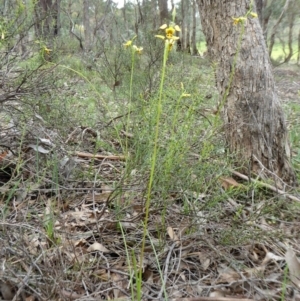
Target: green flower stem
{"points": [[154, 155], [130, 98]]}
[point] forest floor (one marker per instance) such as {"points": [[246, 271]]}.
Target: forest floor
{"points": [[228, 239]]}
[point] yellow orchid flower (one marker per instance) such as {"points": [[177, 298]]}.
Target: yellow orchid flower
{"points": [[47, 50], [127, 44], [170, 31], [177, 28], [171, 42], [163, 26], [253, 15], [138, 50], [238, 20]]}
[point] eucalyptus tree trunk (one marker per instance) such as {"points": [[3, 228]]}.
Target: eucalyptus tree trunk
{"points": [[259, 9], [163, 11], [86, 24], [43, 18], [47, 15], [188, 26], [183, 22], [194, 42], [266, 16], [154, 14], [254, 123]]}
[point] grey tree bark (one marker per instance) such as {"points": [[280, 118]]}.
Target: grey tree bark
{"points": [[188, 26], [259, 8], [163, 11], [86, 24], [194, 43], [183, 24], [47, 14], [254, 122]]}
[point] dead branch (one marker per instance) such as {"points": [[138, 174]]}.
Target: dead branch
{"points": [[102, 157]]}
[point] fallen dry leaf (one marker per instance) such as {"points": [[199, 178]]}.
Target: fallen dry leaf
{"points": [[6, 290], [270, 256], [97, 247], [172, 234], [294, 267], [229, 182]]}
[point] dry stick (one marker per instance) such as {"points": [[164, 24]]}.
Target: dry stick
{"points": [[271, 187], [109, 157], [166, 270]]}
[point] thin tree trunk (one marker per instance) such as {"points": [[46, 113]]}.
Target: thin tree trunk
{"points": [[254, 123], [194, 43], [5, 8], [188, 26], [266, 17], [154, 14], [139, 18], [292, 15], [43, 14], [124, 12], [86, 24], [163, 11], [183, 35], [47, 18], [56, 17], [275, 27], [69, 12]]}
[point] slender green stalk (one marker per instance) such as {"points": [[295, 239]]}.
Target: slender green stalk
{"points": [[128, 260], [154, 155], [138, 277], [130, 97]]}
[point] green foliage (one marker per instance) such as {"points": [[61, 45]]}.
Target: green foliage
{"points": [[279, 53]]}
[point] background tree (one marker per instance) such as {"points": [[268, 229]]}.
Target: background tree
{"points": [[47, 13], [291, 20], [255, 128], [163, 11], [86, 23], [275, 27], [194, 49]]}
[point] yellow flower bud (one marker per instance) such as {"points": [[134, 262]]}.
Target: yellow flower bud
{"points": [[127, 44]]}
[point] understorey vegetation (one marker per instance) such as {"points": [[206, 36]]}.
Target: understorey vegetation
{"points": [[117, 181]]}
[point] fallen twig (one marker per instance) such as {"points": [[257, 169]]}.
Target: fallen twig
{"points": [[109, 157], [271, 187]]}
